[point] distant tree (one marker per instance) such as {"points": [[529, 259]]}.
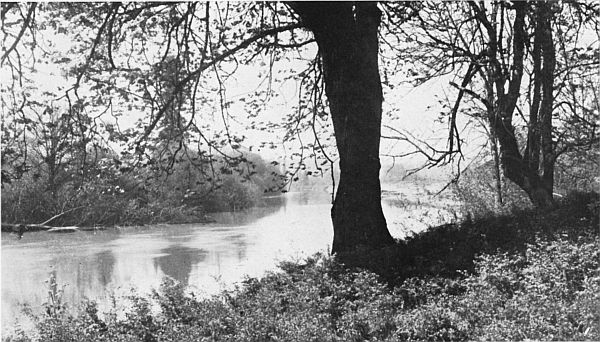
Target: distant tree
{"points": [[53, 144]]}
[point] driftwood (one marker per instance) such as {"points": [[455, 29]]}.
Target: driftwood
{"points": [[71, 229], [59, 215]]}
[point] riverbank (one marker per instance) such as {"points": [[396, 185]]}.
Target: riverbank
{"points": [[144, 217], [531, 275]]}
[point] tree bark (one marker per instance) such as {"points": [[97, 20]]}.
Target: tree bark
{"points": [[497, 170], [546, 107], [347, 36], [489, 88], [524, 169]]}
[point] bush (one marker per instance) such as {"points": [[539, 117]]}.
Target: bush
{"points": [[476, 188], [550, 293], [476, 191], [113, 193], [232, 194], [27, 201]]}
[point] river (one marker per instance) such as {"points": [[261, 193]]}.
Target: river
{"points": [[206, 257]]}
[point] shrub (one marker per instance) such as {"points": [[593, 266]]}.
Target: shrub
{"points": [[477, 193], [552, 292], [233, 194]]}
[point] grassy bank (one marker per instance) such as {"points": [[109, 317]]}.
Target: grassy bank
{"points": [[527, 276]]}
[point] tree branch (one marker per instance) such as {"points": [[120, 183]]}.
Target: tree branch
{"points": [[23, 28], [179, 86]]}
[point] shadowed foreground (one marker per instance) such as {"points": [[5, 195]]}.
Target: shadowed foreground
{"points": [[532, 275]]}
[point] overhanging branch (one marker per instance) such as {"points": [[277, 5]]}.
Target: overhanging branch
{"points": [[181, 84]]}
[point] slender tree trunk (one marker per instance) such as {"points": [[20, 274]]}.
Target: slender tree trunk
{"points": [[542, 169], [497, 171], [546, 107], [493, 138], [52, 174], [524, 169], [347, 36]]}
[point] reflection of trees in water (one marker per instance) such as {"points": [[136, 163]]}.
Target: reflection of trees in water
{"points": [[271, 205], [311, 197], [303, 198], [105, 262], [240, 245], [83, 275], [275, 201], [178, 261], [247, 217]]}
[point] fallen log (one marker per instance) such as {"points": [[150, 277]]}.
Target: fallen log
{"points": [[92, 229], [60, 214], [71, 229]]}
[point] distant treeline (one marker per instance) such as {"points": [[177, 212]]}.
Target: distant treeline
{"points": [[112, 191]]}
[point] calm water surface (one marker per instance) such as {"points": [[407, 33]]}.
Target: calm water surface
{"points": [[207, 257]]}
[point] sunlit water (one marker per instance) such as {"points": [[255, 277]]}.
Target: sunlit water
{"points": [[207, 257]]}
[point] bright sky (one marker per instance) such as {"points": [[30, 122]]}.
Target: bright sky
{"points": [[414, 109]]}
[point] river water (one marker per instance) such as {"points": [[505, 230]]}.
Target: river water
{"points": [[206, 257]]}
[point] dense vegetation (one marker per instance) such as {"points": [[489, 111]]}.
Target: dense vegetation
{"points": [[531, 276], [479, 197], [113, 193]]}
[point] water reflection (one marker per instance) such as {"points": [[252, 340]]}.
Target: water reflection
{"points": [[105, 262], [248, 216], [178, 260], [238, 242]]}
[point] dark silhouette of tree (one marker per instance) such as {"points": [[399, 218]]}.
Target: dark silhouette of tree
{"points": [[505, 56], [347, 35]]}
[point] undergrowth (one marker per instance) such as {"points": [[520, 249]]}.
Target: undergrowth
{"points": [[541, 284]]}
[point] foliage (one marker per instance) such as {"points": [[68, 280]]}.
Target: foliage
{"points": [[115, 194], [549, 293], [547, 290], [169, 64], [579, 171]]}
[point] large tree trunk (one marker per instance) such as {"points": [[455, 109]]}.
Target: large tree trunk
{"points": [[348, 44], [515, 168], [541, 196]]}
